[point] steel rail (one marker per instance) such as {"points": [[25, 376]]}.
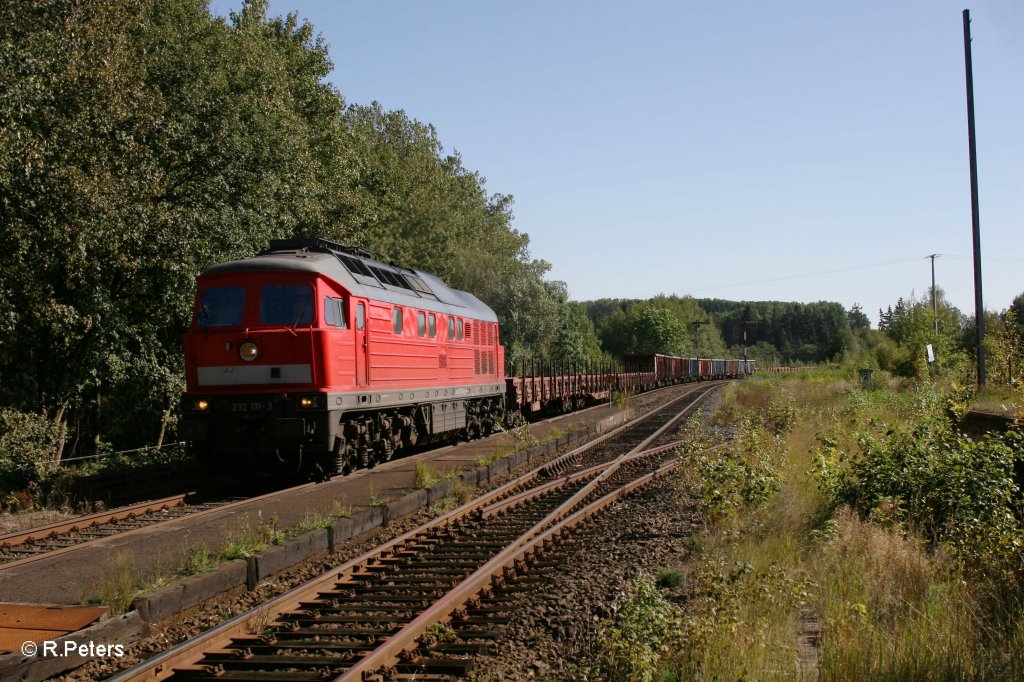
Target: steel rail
{"points": [[4, 566], [161, 666], [508, 502], [388, 653], [530, 542], [184, 656], [548, 468], [79, 523], [551, 466], [614, 465]]}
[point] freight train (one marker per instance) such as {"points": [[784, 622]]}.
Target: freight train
{"points": [[321, 358]]}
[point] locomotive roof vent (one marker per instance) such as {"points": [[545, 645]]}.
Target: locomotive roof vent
{"points": [[360, 263]]}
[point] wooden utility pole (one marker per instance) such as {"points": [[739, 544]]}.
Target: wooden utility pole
{"points": [[935, 304], [979, 307]]}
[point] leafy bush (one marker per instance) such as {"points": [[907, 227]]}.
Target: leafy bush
{"points": [[746, 472], [936, 477], [779, 416], [951, 489], [632, 648], [28, 445]]}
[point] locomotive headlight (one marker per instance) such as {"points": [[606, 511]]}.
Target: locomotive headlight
{"points": [[201, 405], [308, 401], [248, 351]]}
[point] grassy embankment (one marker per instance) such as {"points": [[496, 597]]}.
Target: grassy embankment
{"points": [[856, 517]]}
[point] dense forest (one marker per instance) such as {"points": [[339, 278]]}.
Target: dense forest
{"points": [[771, 332], [142, 141]]}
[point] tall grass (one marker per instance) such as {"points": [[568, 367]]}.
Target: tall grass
{"points": [[891, 603], [893, 610]]}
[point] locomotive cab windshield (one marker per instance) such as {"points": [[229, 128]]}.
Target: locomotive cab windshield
{"points": [[286, 304], [221, 306], [279, 305]]}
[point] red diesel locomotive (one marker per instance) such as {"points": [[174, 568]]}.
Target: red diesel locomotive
{"points": [[327, 359], [324, 359]]}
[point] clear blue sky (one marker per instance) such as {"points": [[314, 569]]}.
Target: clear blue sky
{"points": [[717, 149]]}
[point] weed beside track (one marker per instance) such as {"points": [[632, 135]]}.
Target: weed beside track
{"points": [[848, 533]]}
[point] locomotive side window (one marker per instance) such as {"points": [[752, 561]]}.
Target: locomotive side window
{"points": [[330, 312], [290, 304], [460, 330], [361, 316], [421, 324], [432, 326], [334, 312], [451, 328], [396, 320], [221, 307]]}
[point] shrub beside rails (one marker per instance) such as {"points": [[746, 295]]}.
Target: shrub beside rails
{"points": [[314, 356]]}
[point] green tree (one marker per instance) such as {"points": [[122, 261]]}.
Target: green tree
{"points": [[912, 327], [1017, 308], [857, 318], [575, 342], [655, 330], [1004, 350], [77, 187], [808, 332], [143, 140], [422, 208], [621, 331], [609, 320]]}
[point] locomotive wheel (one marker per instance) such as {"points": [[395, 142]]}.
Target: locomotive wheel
{"points": [[342, 458], [384, 450]]}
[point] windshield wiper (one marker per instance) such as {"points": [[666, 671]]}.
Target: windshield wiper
{"points": [[298, 317], [204, 314]]}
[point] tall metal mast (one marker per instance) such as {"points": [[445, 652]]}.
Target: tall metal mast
{"points": [[979, 308]]}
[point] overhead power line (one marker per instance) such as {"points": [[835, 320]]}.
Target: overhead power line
{"points": [[851, 268], [815, 273], [987, 259]]}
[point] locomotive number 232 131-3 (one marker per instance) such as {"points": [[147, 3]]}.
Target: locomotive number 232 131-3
{"points": [[251, 406]]}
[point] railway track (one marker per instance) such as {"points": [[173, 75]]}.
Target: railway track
{"points": [[43, 542], [391, 609], [33, 544]]}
